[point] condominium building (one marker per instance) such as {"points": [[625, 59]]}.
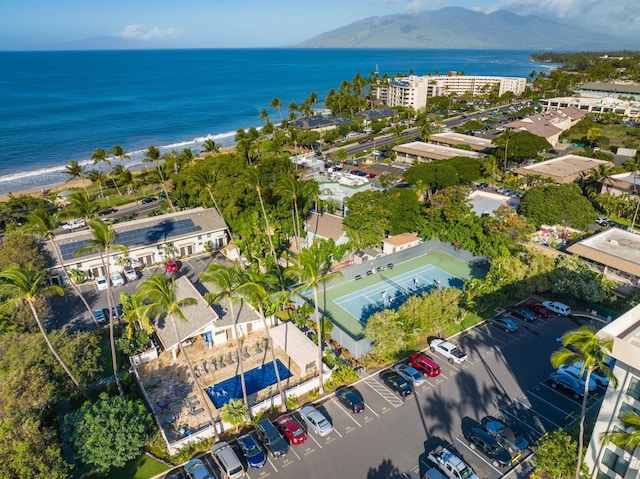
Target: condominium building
{"points": [[629, 110], [607, 461], [414, 91]]}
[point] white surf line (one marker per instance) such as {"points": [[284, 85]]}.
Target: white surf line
{"points": [[350, 416], [476, 453], [539, 414]]}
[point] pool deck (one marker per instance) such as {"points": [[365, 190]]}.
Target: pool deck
{"points": [[176, 401]]}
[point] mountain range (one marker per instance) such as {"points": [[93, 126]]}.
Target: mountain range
{"points": [[455, 27]]}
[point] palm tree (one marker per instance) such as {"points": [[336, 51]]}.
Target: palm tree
{"points": [[235, 413], [159, 295], [103, 240], [590, 350], [206, 178], [210, 146], [277, 104], [264, 115], [120, 152], [228, 282], [75, 170], [99, 156], [309, 268], [117, 172], [289, 187], [42, 224], [99, 177], [21, 287], [152, 155], [81, 205], [629, 437], [133, 314]]}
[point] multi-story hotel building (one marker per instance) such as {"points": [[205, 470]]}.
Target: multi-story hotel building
{"points": [[607, 461], [414, 91]]}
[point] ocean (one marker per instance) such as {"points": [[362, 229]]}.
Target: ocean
{"points": [[59, 106]]}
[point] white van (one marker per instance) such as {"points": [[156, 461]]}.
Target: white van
{"points": [[557, 307]]}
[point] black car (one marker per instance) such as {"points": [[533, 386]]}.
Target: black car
{"points": [[106, 212], [351, 398], [148, 199], [396, 382], [488, 445], [272, 438], [522, 313]]}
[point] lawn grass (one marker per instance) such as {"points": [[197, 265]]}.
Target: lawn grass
{"points": [[144, 467]]}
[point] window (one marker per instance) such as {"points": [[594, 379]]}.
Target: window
{"points": [[602, 475], [615, 462], [634, 388], [625, 408]]}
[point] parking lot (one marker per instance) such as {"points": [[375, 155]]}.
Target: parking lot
{"points": [[504, 376]]}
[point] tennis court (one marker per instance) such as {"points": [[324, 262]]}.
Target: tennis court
{"points": [[391, 292]]}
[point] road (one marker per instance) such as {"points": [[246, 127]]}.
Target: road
{"points": [[504, 377]]}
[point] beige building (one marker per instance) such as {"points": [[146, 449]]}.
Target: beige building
{"points": [[564, 169], [414, 91], [608, 461], [624, 183], [549, 124], [451, 138], [421, 151], [149, 241], [627, 109], [396, 243], [325, 226]]}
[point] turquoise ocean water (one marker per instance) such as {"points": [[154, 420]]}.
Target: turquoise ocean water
{"points": [[60, 106]]}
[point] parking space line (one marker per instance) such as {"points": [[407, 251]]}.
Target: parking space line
{"points": [[334, 430], [313, 438], [476, 453], [384, 392], [486, 333], [272, 464], [294, 451], [549, 403], [350, 416], [563, 395], [539, 414], [538, 431], [369, 408]]}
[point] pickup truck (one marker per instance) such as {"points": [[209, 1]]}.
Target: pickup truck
{"points": [[448, 350], [73, 224], [451, 465]]}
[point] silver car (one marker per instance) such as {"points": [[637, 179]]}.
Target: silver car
{"points": [[315, 420]]}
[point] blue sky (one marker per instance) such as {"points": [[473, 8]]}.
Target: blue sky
{"points": [[56, 24]]}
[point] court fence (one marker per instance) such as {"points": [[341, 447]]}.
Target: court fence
{"points": [[359, 346]]}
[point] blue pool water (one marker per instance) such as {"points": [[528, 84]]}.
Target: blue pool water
{"points": [[255, 380]]}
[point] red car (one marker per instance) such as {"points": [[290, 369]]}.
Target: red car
{"points": [[540, 310], [291, 429], [425, 364], [171, 266]]}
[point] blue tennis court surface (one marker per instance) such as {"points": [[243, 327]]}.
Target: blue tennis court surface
{"points": [[255, 380], [391, 292]]}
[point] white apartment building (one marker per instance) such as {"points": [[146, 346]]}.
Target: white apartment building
{"points": [[608, 461], [629, 110], [414, 91]]}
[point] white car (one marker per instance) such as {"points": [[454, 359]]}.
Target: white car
{"points": [[599, 378], [448, 350], [73, 224], [574, 372], [101, 283], [410, 373], [117, 279], [315, 420], [557, 307], [130, 273]]}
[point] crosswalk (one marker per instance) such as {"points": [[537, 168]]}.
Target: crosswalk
{"points": [[390, 396]]}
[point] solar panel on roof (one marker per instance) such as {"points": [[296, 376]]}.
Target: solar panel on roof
{"points": [[157, 233]]}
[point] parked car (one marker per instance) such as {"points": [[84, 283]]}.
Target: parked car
{"points": [[116, 278], [598, 377], [575, 373], [395, 382], [130, 273], [424, 363], [540, 310], [227, 460], [448, 350], [291, 428], [74, 224], [148, 199], [602, 221], [195, 469], [522, 313], [101, 283], [351, 398], [107, 211], [100, 316], [566, 382], [116, 311], [488, 445], [252, 450], [409, 373], [171, 266], [504, 323], [504, 434], [271, 437], [557, 307], [316, 421]]}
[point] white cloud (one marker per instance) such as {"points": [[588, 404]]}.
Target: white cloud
{"points": [[140, 32]]}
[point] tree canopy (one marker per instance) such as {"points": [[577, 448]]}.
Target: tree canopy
{"points": [[558, 204]]}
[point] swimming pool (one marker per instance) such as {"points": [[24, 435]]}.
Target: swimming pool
{"points": [[255, 380]]}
